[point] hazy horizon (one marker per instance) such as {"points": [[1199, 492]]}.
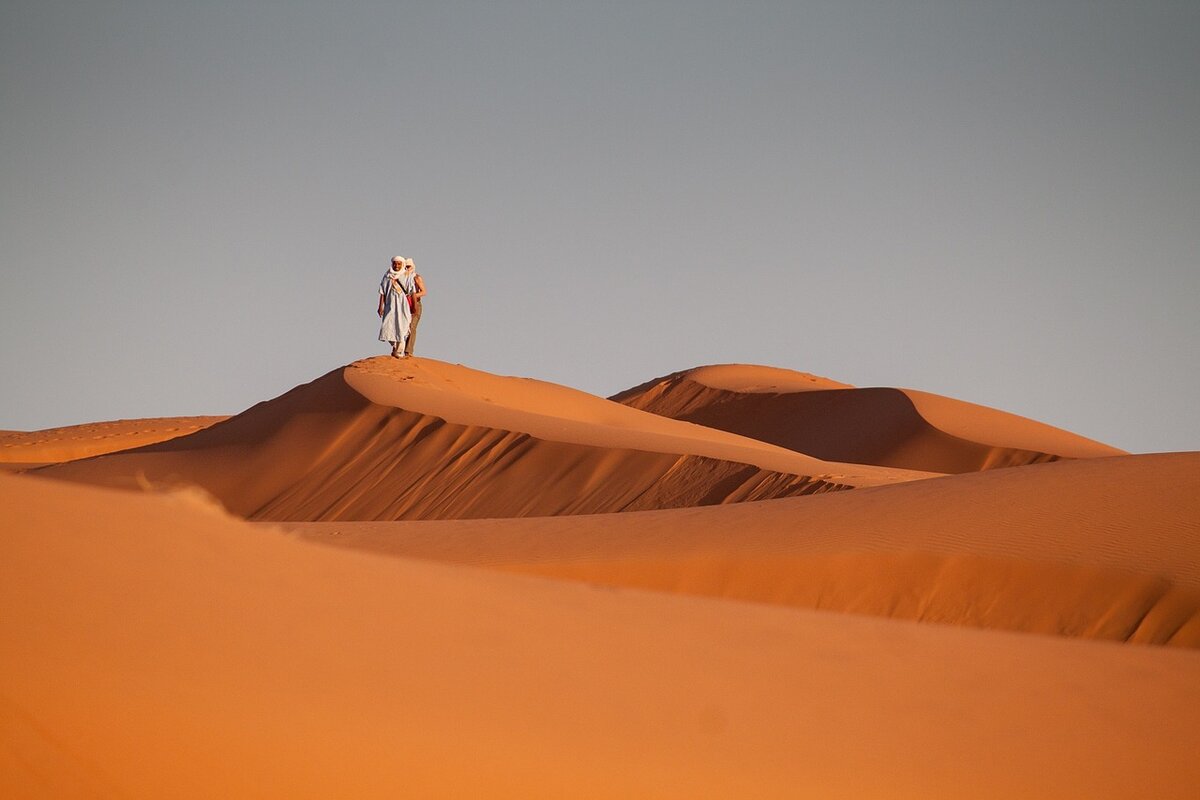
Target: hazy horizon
{"points": [[997, 202]]}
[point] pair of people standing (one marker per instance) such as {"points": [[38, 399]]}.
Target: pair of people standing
{"points": [[400, 294]]}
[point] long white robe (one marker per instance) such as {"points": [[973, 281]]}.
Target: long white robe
{"points": [[394, 326]]}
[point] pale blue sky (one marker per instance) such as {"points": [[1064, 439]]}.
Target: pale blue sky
{"points": [[994, 201]]}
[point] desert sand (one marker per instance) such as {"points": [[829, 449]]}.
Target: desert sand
{"points": [[408, 579], [383, 439], [1104, 548], [889, 427], [26, 449]]}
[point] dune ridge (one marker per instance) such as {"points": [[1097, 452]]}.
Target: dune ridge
{"points": [[901, 428], [341, 447], [1104, 548], [71, 442], [550, 411]]}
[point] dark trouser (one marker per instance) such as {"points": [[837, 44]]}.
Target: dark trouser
{"points": [[412, 328]]}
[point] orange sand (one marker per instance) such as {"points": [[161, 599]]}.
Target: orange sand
{"points": [[421, 439], [32, 448], [889, 427], [1103, 548], [154, 646], [531, 644]]}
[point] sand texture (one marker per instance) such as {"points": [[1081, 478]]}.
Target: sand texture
{"points": [[901, 428], [34, 448], [1103, 548], [154, 642], [385, 439], [408, 579]]}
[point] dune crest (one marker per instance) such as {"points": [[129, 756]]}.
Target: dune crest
{"points": [[53, 445], [550, 411], [901, 428], [384, 440]]}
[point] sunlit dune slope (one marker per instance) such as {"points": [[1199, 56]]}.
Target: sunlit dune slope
{"points": [[550, 411], [1099, 548], [385, 439], [154, 647], [95, 438], [832, 421]]}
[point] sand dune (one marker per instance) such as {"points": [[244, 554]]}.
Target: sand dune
{"points": [[901, 428], [154, 645], [697, 646], [52, 445], [420, 439], [1099, 548]]}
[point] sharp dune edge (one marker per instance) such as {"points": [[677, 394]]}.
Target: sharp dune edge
{"points": [[385, 440], [754, 624], [888, 427]]}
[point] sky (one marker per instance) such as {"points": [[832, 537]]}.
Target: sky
{"points": [[994, 201]]}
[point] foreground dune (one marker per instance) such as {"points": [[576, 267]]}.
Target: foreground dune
{"points": [[33, 448], [1099, 548], [420, 439], [157, 647], [901, 428]]}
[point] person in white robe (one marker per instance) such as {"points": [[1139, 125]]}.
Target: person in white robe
{"points": [[394, 312]]}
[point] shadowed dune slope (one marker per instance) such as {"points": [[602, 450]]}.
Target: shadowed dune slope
{"points": [[53, 445], [1099, 548], [900, 428], [154, 646], [392, 440]]}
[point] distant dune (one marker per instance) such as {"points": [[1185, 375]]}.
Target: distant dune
{"points": [[385, 439], [887, 427], [52, 445], [813, 591], [1103, 548]]}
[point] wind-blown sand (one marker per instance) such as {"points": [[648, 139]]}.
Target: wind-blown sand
{"points": [[888, 427], [760, 622]]}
